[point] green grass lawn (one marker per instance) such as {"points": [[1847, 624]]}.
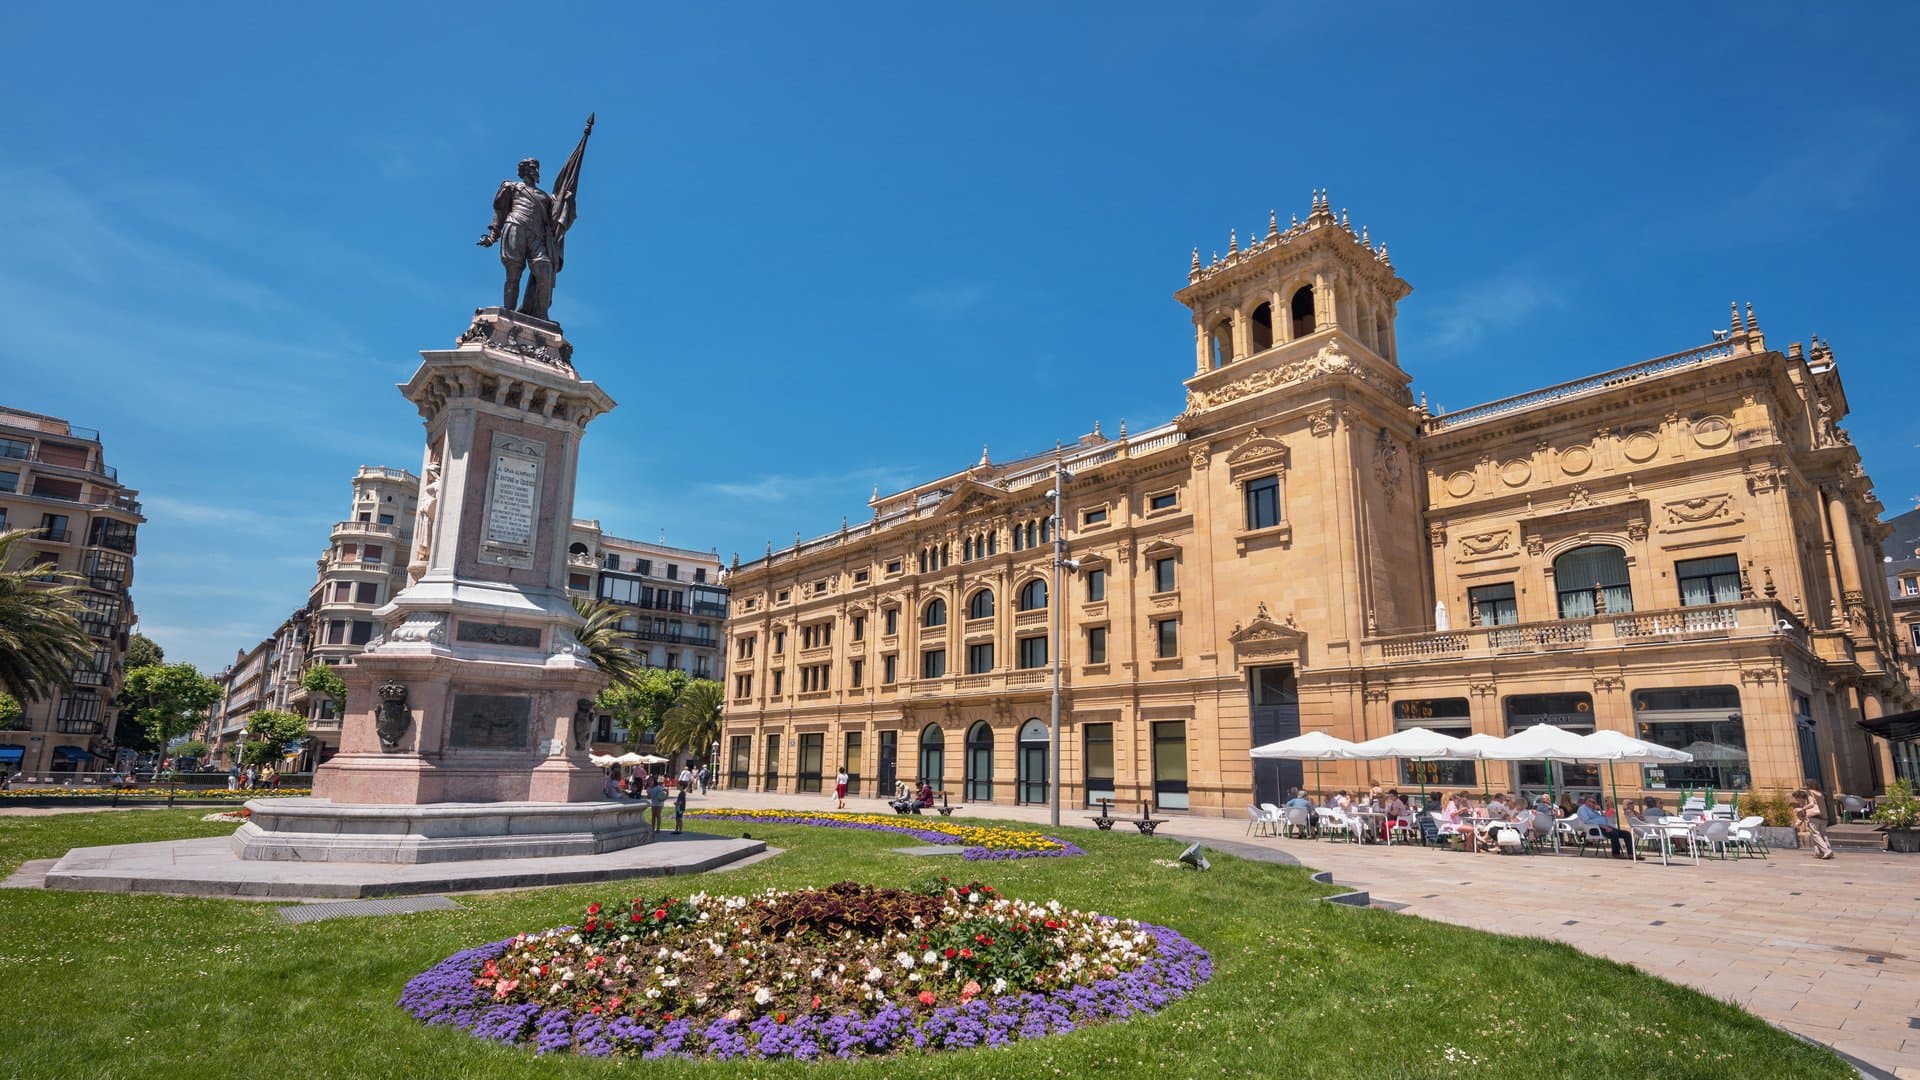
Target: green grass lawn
{"points": [[118, 986]]}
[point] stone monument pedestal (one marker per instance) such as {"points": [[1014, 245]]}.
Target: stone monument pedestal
{"points": [[466, 726]]}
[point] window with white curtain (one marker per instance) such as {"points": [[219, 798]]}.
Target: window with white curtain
{"points": [[1582, 573], [1708, 581]]}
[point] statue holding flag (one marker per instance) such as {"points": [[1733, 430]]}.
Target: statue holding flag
{"points": [[531, 227]]}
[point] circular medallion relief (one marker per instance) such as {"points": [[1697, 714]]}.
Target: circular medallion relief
{"points": [[1460, 484], [1575, 460], [1516, 472], [1712, 431], [1640, 446]]}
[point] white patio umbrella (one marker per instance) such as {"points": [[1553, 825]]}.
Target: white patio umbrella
{"points": [[1314, 746], [1614, 747], [601, 761], [631, 758], [1541, 742], [650, 759], [1701, 750], [1480, 740], [1419, 744]]}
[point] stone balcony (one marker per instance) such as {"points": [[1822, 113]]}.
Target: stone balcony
{"points": [[1743, 620]]}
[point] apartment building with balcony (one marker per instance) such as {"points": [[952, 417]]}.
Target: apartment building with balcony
{"points": [[1900, 561], [1682, 549], [676, 601], [54, 479], [364, 565]]}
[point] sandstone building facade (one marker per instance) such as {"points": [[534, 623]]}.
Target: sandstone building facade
{"points": [[1683, 549]]}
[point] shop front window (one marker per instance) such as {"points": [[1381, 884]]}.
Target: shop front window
{"points": [[1573, 712], [1704, 721], [1448, 716]]}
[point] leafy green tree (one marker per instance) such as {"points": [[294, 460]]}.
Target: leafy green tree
{"points": [[641, 704], [143, 651], [13, 716], [692, 724], [168, 701], [268, 733], [600, 632], [41, 642], [322, 680], [192, 748]]}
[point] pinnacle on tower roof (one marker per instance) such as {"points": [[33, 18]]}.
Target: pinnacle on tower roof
{"points": [[1753, 325], [1365, 239], [1123, 427], [1734, 306], [1273, 224], [1196, 258], [1233, 242], [983, 462]]}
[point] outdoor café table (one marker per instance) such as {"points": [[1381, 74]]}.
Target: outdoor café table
{"points": [[1369, 818], [1682, 829]]}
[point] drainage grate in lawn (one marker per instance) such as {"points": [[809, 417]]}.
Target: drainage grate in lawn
{"points": [[351, 909]]}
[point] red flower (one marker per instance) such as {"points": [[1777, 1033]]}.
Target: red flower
{"points": [[779, 1018], [816, 1001], [926, 997], [966, 954], [949, 954], [592, 926], [593, 908], [659, 914], [635, 917], [1053, 924], [963, 890]]}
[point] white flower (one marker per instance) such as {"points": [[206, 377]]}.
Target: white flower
{"points": [[999, 986], [874, 975], [762, 996], [929, 956], [915, 977], [973, 898], [905, 960]]}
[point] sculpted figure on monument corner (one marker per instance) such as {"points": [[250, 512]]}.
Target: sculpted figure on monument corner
{"points": [[531, 226]]}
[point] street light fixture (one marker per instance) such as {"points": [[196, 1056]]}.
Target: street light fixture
{"points": [[1061, 564]]}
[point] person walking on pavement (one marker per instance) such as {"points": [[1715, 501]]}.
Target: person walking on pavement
{"points": [[1813, 817], [657, 795], [679, 808], [840, 789]]}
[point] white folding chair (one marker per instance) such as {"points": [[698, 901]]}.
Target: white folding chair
{"points": [[1298, 819], [1333, 824], [1256, 819], [1715, 835], [1747, 838]]}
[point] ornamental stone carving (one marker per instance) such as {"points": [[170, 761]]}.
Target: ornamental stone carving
{"points": [[428, 628], [1436, 534], [1486, 543], [1692, 511], [1386, 463], [1321, 423], [582, 724], [392, 717], [1326, 363]]}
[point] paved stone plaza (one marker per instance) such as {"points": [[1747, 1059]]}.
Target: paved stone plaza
{"points": [[1827, 950]]}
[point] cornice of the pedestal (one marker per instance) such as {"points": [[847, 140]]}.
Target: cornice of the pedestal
{"points": [[481, 599], [484, 372]]}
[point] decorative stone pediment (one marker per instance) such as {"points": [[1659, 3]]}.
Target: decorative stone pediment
{"points": [[1264, 640], [1159, 549], [1258, 453], [970, 497]]}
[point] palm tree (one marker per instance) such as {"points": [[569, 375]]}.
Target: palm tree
{"points": [[41, 641], [600, 632], [693, 723]]}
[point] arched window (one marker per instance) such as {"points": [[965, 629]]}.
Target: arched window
{"points": [[966, 550], [933, 755], [980, 763], [1302, 310], [577, 549], [1592, 580], [1380, 336], [1262, 325], [1033, 595], [935, 613], [1220, 341], [1031, 784], [980, 605]]}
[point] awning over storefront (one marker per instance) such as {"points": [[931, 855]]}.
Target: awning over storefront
{"points": [[1900, 727], [71, 753], [11, 755]]}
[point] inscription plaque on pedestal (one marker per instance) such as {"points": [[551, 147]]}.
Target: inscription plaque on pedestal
{"points": [[516, 480], [522, 637], [490, 722]]}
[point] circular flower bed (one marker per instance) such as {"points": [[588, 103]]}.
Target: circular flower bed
{"points": [[982, 841], [846, 971], [154, 792]]}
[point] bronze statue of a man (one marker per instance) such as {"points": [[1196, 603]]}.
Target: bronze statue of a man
{"points": [[531, 227]]}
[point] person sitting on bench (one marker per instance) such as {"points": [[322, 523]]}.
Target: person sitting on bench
{"points": [[923, 796]]}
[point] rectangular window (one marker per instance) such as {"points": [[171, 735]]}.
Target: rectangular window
{"points": [[1493, 605], [1166, 500], [343, 592], [579, 582], [365, 515], [812, 753], [645, 566], [366, 592], [933, 663], [740, 761], [673, 572], [9, 482], [893, 566], [1263, 502], [700, 574], [861, 577], [362, 632], [1170, 764], [742, 687], [1096, 586], [889, 669], [336, 631], [386, 519], [1708, 581], [856, 673], [850, 761], [1096, 644], [14, 448], [1706, 721], [53, 527], [859, 628], [779, 677], [1448, 716], [1099, 762], [1910, 586], [1094, 517], [1166, 636], [770, 766], [610, 562], [374, 553], [980, 658], [1163, 575], [743, 648], [1033, 652], [779, 642], [890, 621]]}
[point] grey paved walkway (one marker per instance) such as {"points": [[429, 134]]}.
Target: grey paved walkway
{"points": [[1830, 950]]}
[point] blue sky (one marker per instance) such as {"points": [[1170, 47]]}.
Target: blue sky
{"points": [[828, 246]]}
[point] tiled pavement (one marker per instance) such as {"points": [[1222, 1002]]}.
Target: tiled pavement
{"points": [[1830, 950]]}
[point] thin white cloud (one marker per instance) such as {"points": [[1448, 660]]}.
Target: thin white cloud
{"points": [[1467, 316]]}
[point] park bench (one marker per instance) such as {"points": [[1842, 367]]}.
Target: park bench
{"points": [[1104, 819], [946, 809], [1145, 823]]}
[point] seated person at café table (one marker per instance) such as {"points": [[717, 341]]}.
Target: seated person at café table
{"points": [[1591, 816], [1650, 809], [1299, 801], [1341, 801]]}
